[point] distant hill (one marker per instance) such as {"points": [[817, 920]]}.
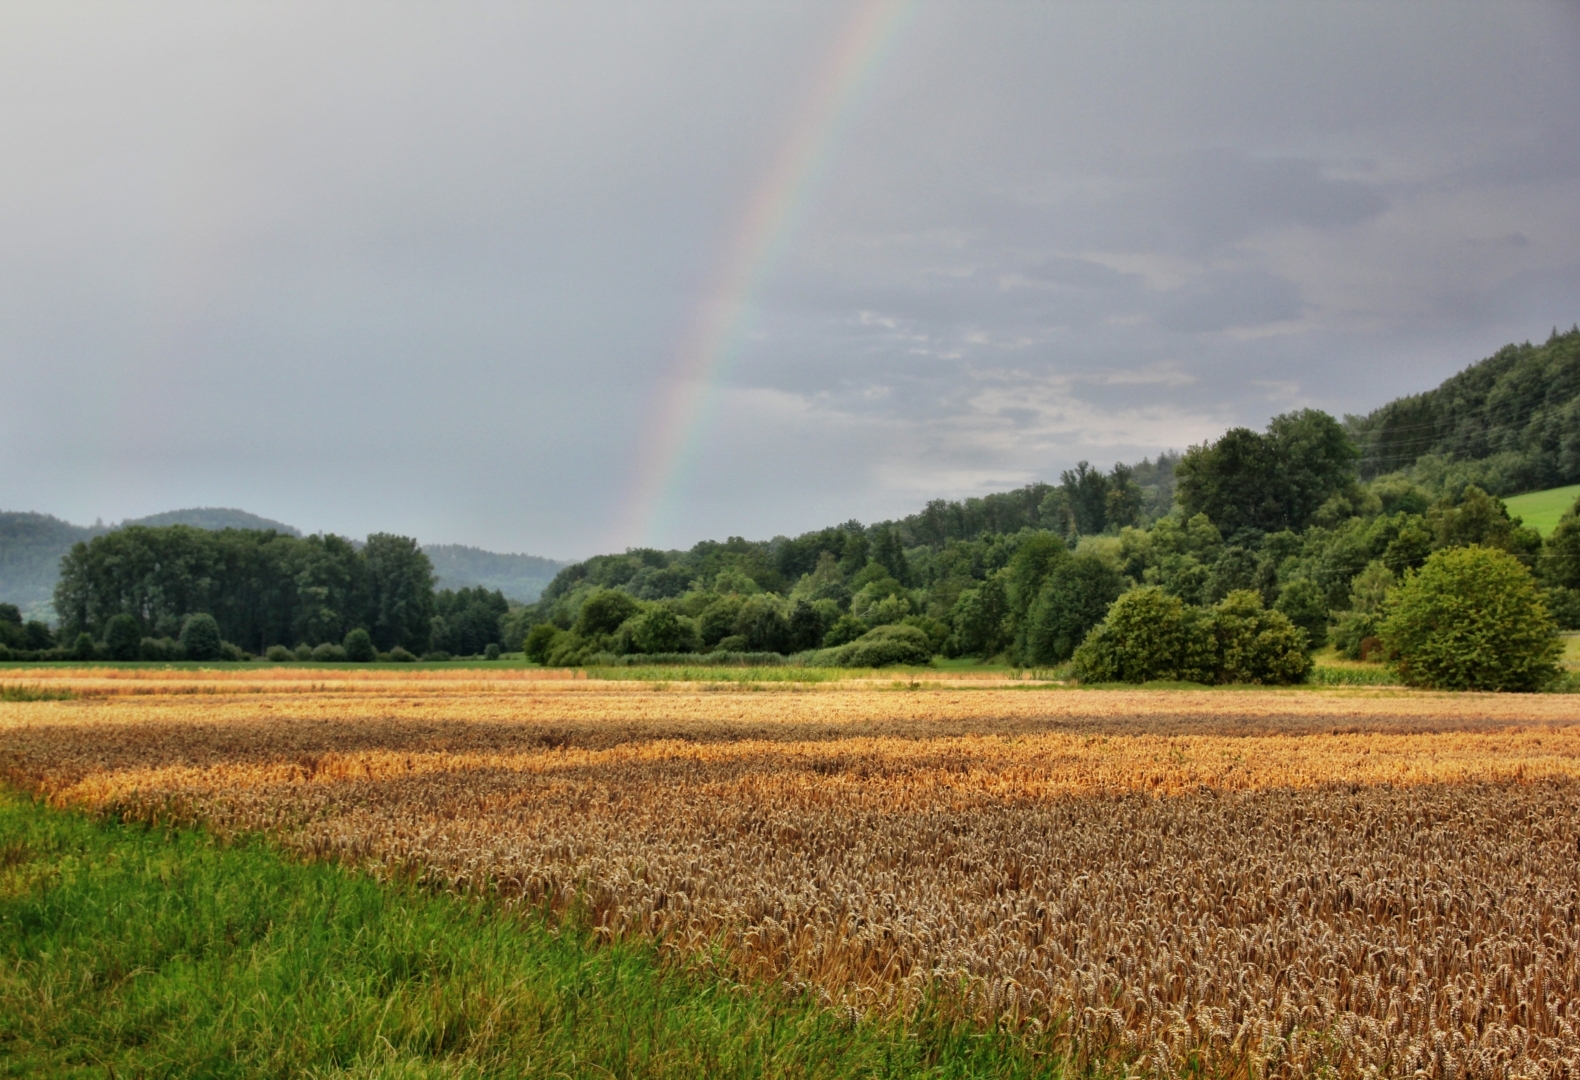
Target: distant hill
{"points": [[214, 519], [519, 577], [30, 549], [1509, 423]]}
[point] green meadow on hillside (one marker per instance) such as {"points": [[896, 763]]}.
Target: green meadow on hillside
{"points": [[1542, 509]]}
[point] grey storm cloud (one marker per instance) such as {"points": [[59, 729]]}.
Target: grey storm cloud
{"points": [[429, 268]]}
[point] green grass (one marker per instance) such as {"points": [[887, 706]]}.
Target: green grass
{"points": [[134, 951], [1542, 509]]}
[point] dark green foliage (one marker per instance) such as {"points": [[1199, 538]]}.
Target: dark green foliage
{"points": [[330, 654], [467, 621], [538, 641], [659, 630], [399, 655], [1518, 411], [359, 647], [880, 647], [1254, 645], [1269, 481], [399, 601], [1474, 518], [1305, 604], [1074, 597], [1125, 497], [1148, 635], [279, 654], [158, 649], [1560, 561], [83, 648], [261, 587], [805, 627], [717, 620], [761, 626], [200, 638], [846, 628], [123, 638], [304, 651], [492, 652], [604, 611], [1471, 619], [1087, 490], [981, 617], [37, 636]]}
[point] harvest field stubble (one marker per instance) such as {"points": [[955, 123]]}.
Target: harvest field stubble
{"points": [[1244, 883]]}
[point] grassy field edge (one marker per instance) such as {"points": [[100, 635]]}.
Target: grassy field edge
{"points": [[127, 950]]}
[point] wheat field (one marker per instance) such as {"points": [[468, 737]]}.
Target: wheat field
{"points": [[1237, 883]]}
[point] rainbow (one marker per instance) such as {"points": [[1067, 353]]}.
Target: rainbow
{"points": [[720, 321]]}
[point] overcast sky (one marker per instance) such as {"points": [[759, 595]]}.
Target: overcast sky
{"points": [[427, 268]]}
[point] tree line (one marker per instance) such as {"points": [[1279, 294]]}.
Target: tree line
{"points": [[262, 589]]}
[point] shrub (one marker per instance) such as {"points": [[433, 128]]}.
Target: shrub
{"points": [[304, 651], [359, 647], [123, 638], [227, 651], [329, 654], [83, 648], [1471, 619], [658, 630], [1148, 635], [492, 651], [399, 655], [5, 651], [438, 657], [151, 648], [540, 641], [733, 643], [846, 628], [604, 611], [1254, 645], [893, 643], [200, 638], [279, 654]]}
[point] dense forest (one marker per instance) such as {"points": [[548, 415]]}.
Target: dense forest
{"points": [[1310, 518], [1508, 424]]}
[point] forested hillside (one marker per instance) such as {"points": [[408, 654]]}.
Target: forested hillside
{"points": [[1507, 424], [30, 549], [215, 518], [521, 578]]}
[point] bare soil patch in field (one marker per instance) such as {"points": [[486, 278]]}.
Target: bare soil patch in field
{"points": [[1267, 882]]}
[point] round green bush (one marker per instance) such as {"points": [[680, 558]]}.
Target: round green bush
{"points": [[1471, 619], [1254, 645], [123, 638], [399, 655], [200, 638], [279, 654], [880, 648], [304, 651], [540, 641], [329, 654], [491, 652], [846, 628], [359, 647], [1148, 635]]}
